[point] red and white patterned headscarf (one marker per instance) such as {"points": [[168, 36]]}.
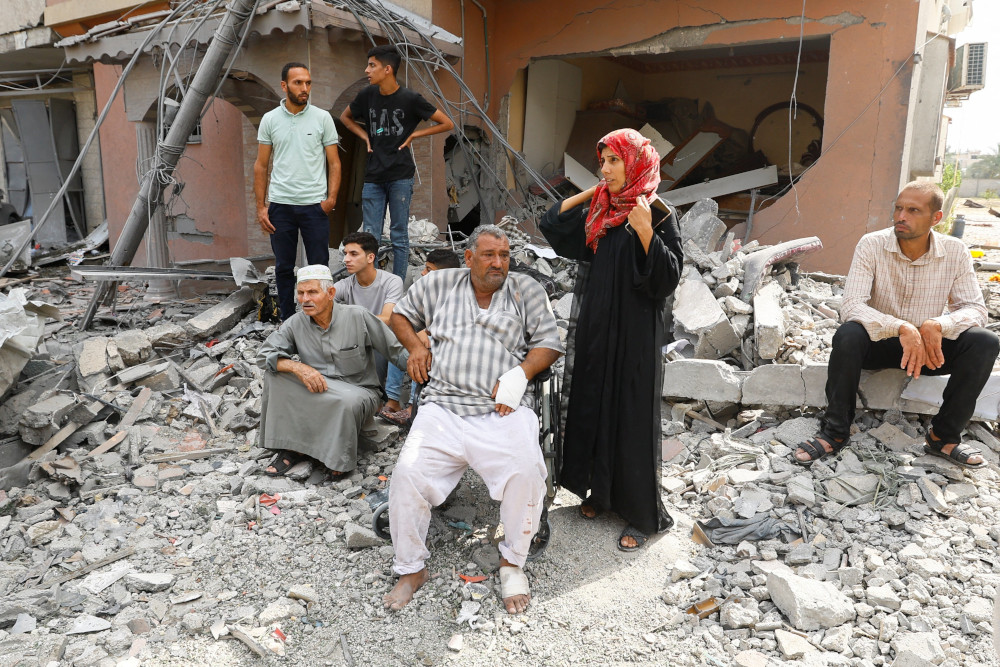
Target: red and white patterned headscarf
{"points": [[642, 176]]}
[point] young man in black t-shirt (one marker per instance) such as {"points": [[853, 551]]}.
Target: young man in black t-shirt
{"points": [[390, 114]]}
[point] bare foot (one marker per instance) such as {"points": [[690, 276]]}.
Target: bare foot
{"points": [[628, 542], [974, 459], [587, 511], [515, 604], [803, 455], [403, 591], [392, 405]]}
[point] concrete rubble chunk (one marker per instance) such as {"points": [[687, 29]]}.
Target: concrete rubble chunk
{"points": [[933, 496], [92, 356], [852, 489], [883, 596], [223, 316], [801, 491], [279, 610], [167, 335], [808, 604], [360, 537], [910, 659], [698, 313], [86, 623], [702, 378], [768, 321], [149, 582], [923, 645], [791, 645], [133, 346], [702, 226], [892, 437]]}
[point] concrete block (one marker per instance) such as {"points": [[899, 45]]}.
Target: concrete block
{"points": [[775, 384], [223, 316], [133, 347], [702, 379], [768, 321]]}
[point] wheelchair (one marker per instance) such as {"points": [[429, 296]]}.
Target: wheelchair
{"points": [[546, 388]]}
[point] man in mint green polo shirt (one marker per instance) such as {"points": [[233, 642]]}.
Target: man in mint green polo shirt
{"points": [[304, 179]]}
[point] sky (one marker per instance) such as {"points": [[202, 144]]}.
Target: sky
{"points": [[975, 125]]}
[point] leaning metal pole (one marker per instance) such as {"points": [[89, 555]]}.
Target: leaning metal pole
{"points": [[168, 152]]}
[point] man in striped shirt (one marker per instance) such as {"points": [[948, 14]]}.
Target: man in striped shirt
{"points": [[911, 301], [490, 334]]}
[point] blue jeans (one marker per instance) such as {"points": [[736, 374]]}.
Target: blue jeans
{"points": [[396, 195], [289, 220], [394, 382]]}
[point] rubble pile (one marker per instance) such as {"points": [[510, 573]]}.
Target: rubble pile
{"points": [[137, 525], [748, 303], [879, 555]]}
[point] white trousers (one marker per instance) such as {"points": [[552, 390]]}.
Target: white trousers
{"points": [[440, 447]]}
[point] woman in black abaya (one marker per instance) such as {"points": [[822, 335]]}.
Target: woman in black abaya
{"points": [[630, 261]]}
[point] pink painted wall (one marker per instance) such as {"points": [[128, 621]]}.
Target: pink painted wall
{"points": [[213, 172]]}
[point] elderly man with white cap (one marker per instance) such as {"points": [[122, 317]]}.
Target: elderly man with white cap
{"points": [[314, 407]]}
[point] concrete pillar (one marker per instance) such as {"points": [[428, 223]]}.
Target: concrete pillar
{"points": [[157, 253], [90, 171]]}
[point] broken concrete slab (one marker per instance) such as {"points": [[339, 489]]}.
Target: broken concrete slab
{"points": [[702, 378], [223, 316], [929, 389], [698, 313]]}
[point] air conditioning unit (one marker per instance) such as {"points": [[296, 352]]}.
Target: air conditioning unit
{"points": [[969, 73]]}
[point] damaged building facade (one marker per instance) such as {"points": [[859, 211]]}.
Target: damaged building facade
{"points": [[714, 81]]}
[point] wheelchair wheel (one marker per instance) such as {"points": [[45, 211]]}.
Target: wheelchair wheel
{"points": [[380, 521]]}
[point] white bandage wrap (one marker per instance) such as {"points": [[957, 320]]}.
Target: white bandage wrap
{"points": [[512, 386]]}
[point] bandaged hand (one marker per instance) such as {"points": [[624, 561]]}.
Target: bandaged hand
{"points": [[510, 389]]}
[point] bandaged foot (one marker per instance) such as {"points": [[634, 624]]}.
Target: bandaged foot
{"points": [[511, 387], [513, 587], [403, 591]]}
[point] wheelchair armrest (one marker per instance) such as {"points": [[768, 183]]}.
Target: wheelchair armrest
{"points": [[543, 376]]}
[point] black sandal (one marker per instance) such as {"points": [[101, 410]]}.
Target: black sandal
{"points": [[815, 449], [637, 535], [961, 453], [281, 462]]}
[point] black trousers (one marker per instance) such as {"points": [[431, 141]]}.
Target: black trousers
{"points": [[968, 359]]}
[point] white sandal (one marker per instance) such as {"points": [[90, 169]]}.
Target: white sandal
{"points": [[513, 581]]}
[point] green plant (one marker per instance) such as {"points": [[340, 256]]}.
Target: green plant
{"points": [[988, 166], [990, 193], [950, 178]]}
